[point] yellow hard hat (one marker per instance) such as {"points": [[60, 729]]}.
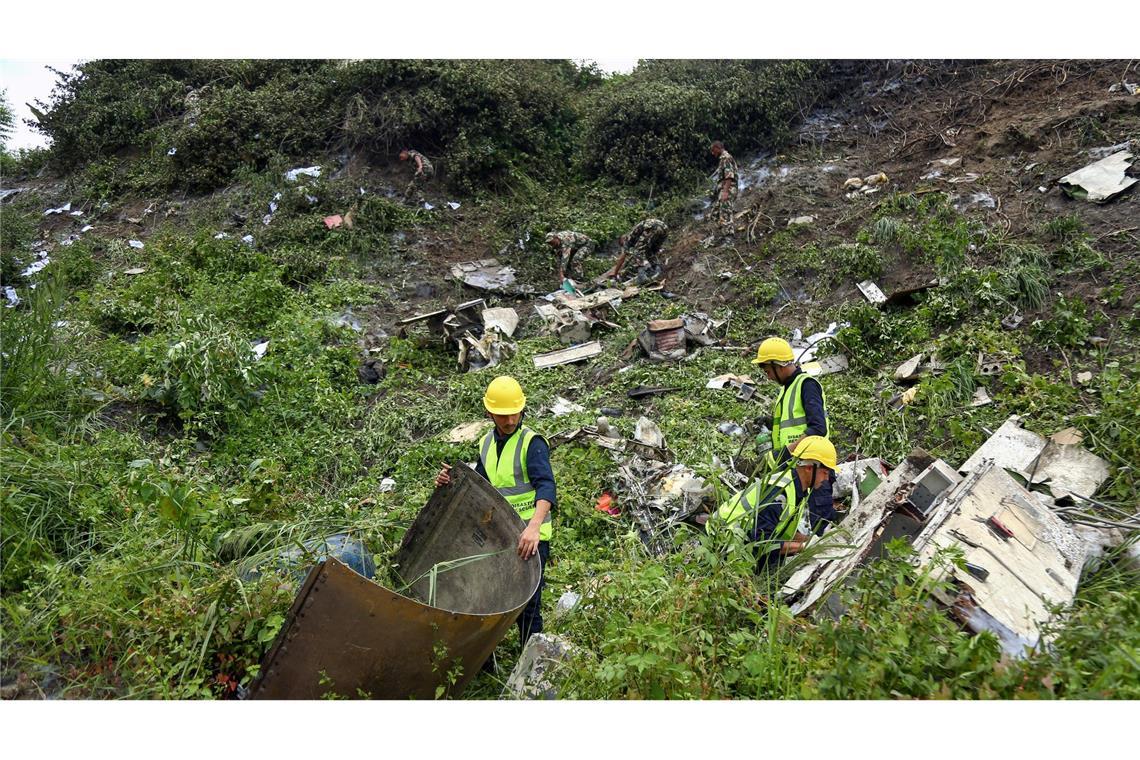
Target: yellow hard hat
{"points": [[774, 350], [504, 396], [816, 448]]}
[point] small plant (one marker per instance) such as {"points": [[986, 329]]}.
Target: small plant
{"points": [[1068, 327]]}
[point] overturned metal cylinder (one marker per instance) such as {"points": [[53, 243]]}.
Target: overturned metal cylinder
{"points": [[350, 636]]}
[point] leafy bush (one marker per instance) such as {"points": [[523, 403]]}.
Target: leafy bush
{"points": [[656, 126], [1068, 327], [201, 373]]}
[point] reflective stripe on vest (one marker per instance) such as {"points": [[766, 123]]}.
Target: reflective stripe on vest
{"points": [[789, 418], [748, 501], [507, 473]]}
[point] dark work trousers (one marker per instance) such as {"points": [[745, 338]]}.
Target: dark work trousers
{"points": [[530, 621]]}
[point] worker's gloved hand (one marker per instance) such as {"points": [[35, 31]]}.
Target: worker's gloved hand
{"points": [[444, 476]]}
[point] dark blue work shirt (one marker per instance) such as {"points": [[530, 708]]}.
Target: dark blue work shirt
{"points": [[538, 468]]}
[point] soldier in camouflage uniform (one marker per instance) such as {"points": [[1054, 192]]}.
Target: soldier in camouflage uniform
{"points": [[727, 187], [424, 172], [569, 244], [645, 240]]}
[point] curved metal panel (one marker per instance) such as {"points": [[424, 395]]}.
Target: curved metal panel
{"points": [[348, 635]]}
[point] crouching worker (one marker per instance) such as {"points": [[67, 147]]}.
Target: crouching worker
{"points": [[774, 507], [516, 461]]}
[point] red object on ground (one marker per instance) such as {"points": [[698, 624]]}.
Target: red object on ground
{"points": [[334, 221], [606, 504]]}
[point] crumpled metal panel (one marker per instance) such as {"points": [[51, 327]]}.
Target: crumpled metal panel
{"points": [[348, 635]]}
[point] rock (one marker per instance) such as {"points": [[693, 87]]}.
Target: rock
{"points": [[529, 678], [1084, 378], [370, 371]]}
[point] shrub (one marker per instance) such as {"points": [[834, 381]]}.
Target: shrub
{"points": [[202, 373]]}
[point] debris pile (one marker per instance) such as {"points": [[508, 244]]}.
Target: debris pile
{"points": [[1011, 508], [480, 334], [677, 339]]}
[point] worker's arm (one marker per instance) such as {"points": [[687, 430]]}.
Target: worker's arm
{"points": [[419, 165], [811, 393], [528, 541], [541, 475]]}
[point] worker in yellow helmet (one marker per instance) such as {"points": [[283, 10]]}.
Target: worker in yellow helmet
{"points": [[774, 506], [799, 411], [516, 461]]}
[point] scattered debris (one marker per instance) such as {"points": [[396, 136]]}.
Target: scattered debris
{"points": [[61, 210], [730, 429], [1130, 87], [721, 382], [905, 398], [670, 339], [1012, 322], [10, 192], [650, 390], [248, 240], [259, 347], [648, 434], [827, 366], [135, 244], [387, 485], [310, 171], [563, 406], [568, 601], [659, 496], [1037, 565], [428, 206], [486, 274], [568, 355], [505, 320], [334, 221], [907, 294], [86, 228], [966, 178], [11, 296], [76, 213], [909, 370], [172, 151], [134, 270], [865, 185], [1105, 152], [798, 220], [468, 431], [936, 167], [871, 292], [1102, 181], [1084, 378], [804, 348], [542, 652], [346, 319], [222, 236], [981, 397], [869, 473], [453, 205], [606, 504]]}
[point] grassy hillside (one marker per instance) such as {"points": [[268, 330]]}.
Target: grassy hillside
{"points": [[149, 460]]}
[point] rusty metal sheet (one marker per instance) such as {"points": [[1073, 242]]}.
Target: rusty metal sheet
{"points": [[348, 635]]}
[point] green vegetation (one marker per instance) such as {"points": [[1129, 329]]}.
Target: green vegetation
{"points": [[154, 470]]}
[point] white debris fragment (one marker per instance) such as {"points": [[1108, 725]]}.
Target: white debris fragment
{"points": [[134, 270], [87, 228], [172, 151], [76, 213], [428, 206], [10, 294], [453, 205], [563, 406], [309, 171], [387, 485], [61, 210], [248, 240], [222, 236], [136, 244], [311, 199]]}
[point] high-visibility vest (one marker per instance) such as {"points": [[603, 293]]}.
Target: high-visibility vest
{"points": [[789, 419], [759, 493], [507, 473]]}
